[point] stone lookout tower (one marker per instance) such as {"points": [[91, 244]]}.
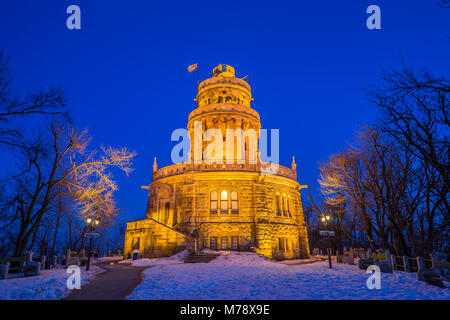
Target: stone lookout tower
{"points": [[227, 200]]}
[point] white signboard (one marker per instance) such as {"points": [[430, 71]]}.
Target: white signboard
{"points": [[326, 232], [92, 234]]}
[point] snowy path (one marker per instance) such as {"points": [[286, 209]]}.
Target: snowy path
{"points": [[114, 284], [249, 276]]}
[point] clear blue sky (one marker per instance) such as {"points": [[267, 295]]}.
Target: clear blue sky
{"points": [[125, 72]]}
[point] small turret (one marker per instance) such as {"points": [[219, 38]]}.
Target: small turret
{"points": [[294, 166], [224, 70], [155, 166]]}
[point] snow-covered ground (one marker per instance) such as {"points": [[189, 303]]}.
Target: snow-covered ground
{"points": [[175, 259], [108, 259], [243, 275], [48, 285]]}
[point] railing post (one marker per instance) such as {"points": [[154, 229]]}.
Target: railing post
{"points": [[393, 262], [30, 255], [389, 259], [406, 263], [419, 264], [433, 263]]}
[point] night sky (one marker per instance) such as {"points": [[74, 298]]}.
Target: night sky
{"points": [[124, 72]]}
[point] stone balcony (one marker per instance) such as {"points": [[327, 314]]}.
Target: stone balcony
{"points": [[223, 108], [182, 168], [224, 80]]}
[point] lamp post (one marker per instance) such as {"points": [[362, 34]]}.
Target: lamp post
{"points": [[325, 220], [92, 224]]}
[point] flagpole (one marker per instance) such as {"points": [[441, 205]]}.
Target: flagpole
{"points": [[198, 76]]}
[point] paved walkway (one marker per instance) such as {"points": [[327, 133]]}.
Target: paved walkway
{"points": [[114, 284]]}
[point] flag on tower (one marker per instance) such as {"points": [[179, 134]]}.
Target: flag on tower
{"points": [[192, 67]]}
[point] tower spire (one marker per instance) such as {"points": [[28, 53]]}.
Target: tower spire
{"points": [[294, 166], [155, 166]]}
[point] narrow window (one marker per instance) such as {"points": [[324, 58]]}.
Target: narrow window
{"points": [[224, 202], [166, 212], [213, 202], [234, 243], [234, 202], [288, 206], [278, 205], [224, 242], [281, 244], [213, 243], [175, 216]]}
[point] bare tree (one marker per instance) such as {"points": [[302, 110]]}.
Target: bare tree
{"points": [[394, 197], [64, 165], [43, 102], [416, 113], [444, 4]]}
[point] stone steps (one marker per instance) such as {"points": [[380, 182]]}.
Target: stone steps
{"points": [[200, 257]]}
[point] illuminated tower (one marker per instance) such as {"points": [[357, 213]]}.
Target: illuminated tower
{"points": [[224, 104], [224, 198]]}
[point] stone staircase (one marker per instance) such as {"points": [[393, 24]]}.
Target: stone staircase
{"points": [[200, 257]]}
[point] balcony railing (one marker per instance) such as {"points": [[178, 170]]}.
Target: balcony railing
{"points": [[182, 168]]}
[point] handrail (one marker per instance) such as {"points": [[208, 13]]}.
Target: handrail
{"points": [[164, 225]]}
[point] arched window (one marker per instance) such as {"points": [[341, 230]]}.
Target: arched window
{"points": [[213, 202], [286, 206], [224, 202], [234, 202]]}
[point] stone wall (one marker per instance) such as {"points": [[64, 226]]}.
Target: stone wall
{"points": [[153, 239], [257, 225]]}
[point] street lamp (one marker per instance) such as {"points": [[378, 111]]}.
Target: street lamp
{"points": [[325, 219], [92, 223]]}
